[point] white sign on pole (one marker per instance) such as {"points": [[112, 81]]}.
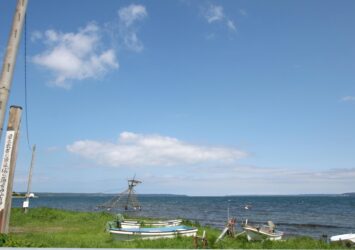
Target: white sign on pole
{"points": [[25, 204], [5, 167]]}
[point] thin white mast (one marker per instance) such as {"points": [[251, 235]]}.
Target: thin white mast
{"points": [[26, 203]]}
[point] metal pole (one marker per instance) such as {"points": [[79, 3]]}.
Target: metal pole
{"points": [[26, 203], [10, 58], [228, 209], [8, 166]]}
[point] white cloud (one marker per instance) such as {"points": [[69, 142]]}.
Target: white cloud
{"points": [[151, 150], [75, 56], [132, 13], [80, 55], [214, 13], [128, 18], [348, 98]]}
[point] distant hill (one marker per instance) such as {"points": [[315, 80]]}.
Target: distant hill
{"points": [[15, 194], [349, 194], [105, 194]]}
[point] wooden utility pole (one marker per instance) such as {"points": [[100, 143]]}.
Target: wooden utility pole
{"points": [[26, 203], [10, 58], [8, 166]]}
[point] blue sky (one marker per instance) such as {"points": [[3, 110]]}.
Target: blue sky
{"points": [[194, 97]]}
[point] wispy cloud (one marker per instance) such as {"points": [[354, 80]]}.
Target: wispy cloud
{"points": [[253, 180], [128, 18], [132, 13], [348, 99], [133, 149], [215, 13], [75, 56], [36, 35], [231, 25]]}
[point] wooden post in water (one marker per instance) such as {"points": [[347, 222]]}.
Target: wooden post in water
{"points": [[8, 166]]}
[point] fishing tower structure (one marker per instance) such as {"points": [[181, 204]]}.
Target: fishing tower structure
{"points": [[126, 200]]}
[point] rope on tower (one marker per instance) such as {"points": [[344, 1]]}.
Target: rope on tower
{"points": [[126, 200]]}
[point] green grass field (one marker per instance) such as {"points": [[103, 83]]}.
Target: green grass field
{"points": [[45, 227]]}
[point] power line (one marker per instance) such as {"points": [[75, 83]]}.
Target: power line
{"points": [[25, 75]]}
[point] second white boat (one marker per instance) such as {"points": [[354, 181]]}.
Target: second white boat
{"points": [[343, 237], [263, 232]]}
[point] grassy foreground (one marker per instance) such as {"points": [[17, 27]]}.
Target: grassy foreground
{"points": [[45, 227]]}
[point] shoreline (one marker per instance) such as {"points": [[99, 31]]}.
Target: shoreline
{"points": [[48, 227]]}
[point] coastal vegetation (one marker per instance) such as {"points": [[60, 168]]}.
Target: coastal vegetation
{"points": [[15, 194], [46, 227]]}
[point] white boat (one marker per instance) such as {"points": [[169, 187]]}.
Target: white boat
{"points": [[138, 224], [31, 195], [262, 232], [343, 237], [152, 233], [121, 222]]}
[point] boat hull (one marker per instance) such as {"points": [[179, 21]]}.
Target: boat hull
{"points": [[253, 233], [137, 224], [152, 233], [343, 237]]}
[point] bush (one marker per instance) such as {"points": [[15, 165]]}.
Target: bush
{"points": [[3, 239]]}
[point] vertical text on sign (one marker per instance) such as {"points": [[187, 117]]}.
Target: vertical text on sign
{"points": [[5, 167]]}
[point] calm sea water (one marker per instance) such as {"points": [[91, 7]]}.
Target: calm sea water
{"points": [[295, 215]]}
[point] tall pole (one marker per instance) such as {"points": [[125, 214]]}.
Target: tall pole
{"points": [[228, 211], [10, 58], [26, 203], [8, 166]]}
